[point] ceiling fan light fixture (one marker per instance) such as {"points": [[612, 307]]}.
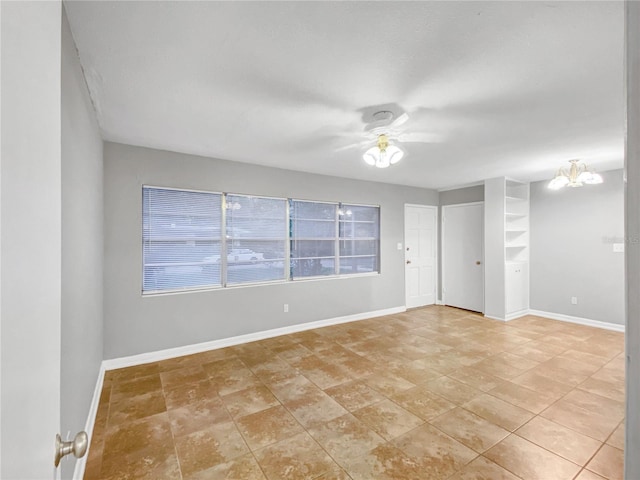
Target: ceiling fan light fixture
{"points": [[383, 155], [577, 176]]}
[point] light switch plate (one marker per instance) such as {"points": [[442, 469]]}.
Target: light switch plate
{"points": [[618, 247]]}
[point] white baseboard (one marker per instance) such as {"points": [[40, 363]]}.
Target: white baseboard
{"points": [[495, 318], [81, 463], [156, 356], [514, 315], [439, 302], [579, 320]]}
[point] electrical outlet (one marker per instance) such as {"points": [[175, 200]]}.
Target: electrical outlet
{"points": [[574, 300], [286, 308]]}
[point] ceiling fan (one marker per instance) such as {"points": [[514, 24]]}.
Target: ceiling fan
{"points": [[384, 129]]}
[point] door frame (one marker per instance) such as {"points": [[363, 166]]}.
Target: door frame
{"points": [[436, 244], [443, 247]]}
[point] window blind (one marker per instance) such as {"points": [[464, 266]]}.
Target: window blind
{"points": [[181, 239]]}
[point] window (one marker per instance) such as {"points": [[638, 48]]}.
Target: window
{"points": [[265, 239], [359, 239], [181, 237], [313, 238], [256, 239]]}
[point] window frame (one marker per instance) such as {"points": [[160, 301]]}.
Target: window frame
{"points": [[288, 276]]}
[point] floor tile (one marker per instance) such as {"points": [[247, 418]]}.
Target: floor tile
{"points": [[530, 461], [422, 402], [499, 412], [198, 415], [354, 395], [438, 454], [241, 468], [608, 463], [452, 390], [388, 419], [298, 457], [384, 462], [249, 400], [560, 440], [268, 426], [531, 400], [346, 437], [617, 437], [209, 447], [473, 431], [483, 469], [433, 393]]}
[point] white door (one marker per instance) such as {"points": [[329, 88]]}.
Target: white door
{"points": [[462, 256], [420, 235]]}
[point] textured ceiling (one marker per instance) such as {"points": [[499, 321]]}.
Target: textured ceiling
{"points": [[500, 88]]}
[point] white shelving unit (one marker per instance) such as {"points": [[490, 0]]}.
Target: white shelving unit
{"points": [[506, 248]]}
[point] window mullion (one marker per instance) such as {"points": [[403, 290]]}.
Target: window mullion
{"points": [[223, 241]]}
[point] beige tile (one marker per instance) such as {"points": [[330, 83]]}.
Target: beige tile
{"points": [[539, 383], [499, 412], [468, 428], [146, 463], [137, 386], [388, 419], [388, 384], [346, 437], [385, 462], [476, 378], [268, 426], [452, 390], [581, 420], [530, 461], [136, 407], [197, 416], [244, 467], [587, 475], [314, 408], [617, 437], [438, 454], [183, 395], [483, 469], [422, 402], [506, 365], [354, 395], [209, 447], [559, 439], [531, 400], [614, 391], [250, 400], [148, 432], [608, 462], [182, 376], [298, 457]]}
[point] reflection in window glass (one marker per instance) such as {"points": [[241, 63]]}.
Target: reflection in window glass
{"points": [[313, 238], [359, 239], [256, 239]]}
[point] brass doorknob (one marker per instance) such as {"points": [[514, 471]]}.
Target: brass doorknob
{"points": [[478, 262], [408, 262]]}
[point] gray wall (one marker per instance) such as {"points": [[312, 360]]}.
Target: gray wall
{"points": [[30, 243], [572, 232], [462, 195], [82, 246], [632, 216], [136, 324], [454, 197]]}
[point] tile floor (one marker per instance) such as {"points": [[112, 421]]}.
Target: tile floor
{"points": [[434, 393]]}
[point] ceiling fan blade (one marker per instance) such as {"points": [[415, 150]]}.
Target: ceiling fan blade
{"points": [[401, 120], [353, 146], [419, 137]]}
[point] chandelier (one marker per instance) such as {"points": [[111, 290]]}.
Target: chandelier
{"points": [[577, 175], [383, 154]]}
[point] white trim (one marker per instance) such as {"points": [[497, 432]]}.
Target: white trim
{"points": [[495, 318], [81, 463], [514, 315], [439, 302], [579, 320], [231, 341]]}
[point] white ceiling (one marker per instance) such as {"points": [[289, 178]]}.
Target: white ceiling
{"points": [[506, 88]]}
